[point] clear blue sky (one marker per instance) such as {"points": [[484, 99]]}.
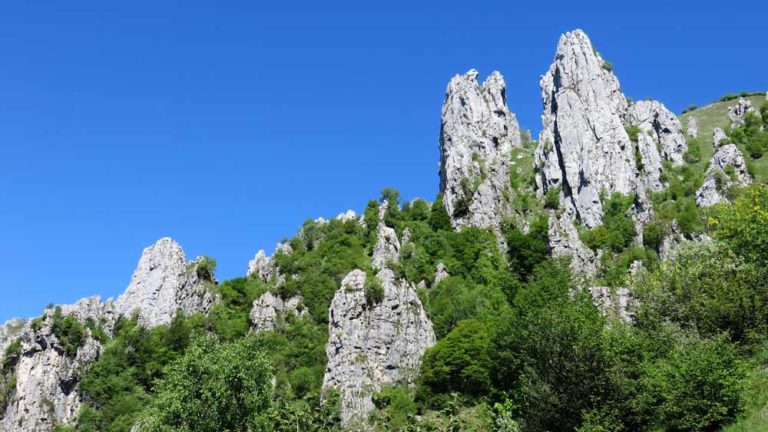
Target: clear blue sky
{"points": [[226, 124]]}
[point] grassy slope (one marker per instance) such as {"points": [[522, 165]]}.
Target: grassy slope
{"points": [[716, 115], [755, 418]]}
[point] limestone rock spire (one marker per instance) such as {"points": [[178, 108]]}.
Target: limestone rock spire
{"points": [[477, 134]]}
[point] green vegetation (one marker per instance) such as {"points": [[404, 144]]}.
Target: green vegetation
{"points": [[617, 230], [69, 331]]}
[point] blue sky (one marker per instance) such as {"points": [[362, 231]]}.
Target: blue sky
{"points": [[225, 126]]}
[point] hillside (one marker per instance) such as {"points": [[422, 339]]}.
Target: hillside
{"points": [[609, 275]]}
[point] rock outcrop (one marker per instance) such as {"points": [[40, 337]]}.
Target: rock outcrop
{"points": [[47, 374], [584, 149], [440, 274], [564, 242], [693, 127], [738, 113], [261, 266], [613, 303], [662, 126], [374, 339], [269, 310], [163, 283], [477, 135], [726, 169]]}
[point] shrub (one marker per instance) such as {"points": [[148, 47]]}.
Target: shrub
{"points": [[653, 234], [205, 268], [11, 356], [438, 217], [213, 387], [68, 330], [460, 362], [607, 65], [617, 230], [374, 291], [552, 198], [525, 251], [632, 132], [693, 154], [728, 97]]}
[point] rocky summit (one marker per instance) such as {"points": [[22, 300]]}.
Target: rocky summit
{"points": [[477, 133]]}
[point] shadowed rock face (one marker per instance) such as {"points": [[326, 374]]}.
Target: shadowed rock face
{"points": [[162, 283], [662, 126], [477, 134], [716, 179], [738, 113], [373, 344]]}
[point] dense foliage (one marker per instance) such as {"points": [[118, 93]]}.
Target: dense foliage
{"points": [[520, 346]]}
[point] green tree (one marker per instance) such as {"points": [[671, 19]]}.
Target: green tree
{"points": [[460, 362], [213, 387]]}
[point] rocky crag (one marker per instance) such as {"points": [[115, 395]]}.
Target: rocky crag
{"points": [[477, 134], [726, 169], [374, 339], [43, 381], [595, 143]]}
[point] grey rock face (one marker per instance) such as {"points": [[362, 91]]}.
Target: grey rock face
{"points": [[716, 179], [440, 274], [564, 241], [662, 126], [583, 146], [346, 216], [719, 137], [47, 378], [613, 303], [261, 265], [269, 310], [477, 134], [373, 344], [670, 242], [738, 113], [650, 162], [162, 283], [693, 127], [387, 247]]}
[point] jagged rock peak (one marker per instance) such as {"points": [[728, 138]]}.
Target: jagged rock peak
{"points": [[387, 247], [261, 266], [719, 177], [738, 113], [163, 283], [372, 344], [584, 148], [478, 132], [662, 125], [268, 310]]}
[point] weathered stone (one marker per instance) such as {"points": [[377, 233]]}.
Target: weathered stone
{"points": [[659, 123], [261, 266], [163, 283], [269, 311], [719, 137], [717, 180], [346, 216], [693, 127], [738, 113], [564, 241], [584, 149], [46, 377], [613, 303], [670, 242], [477, 135], [440, 274], [371, 342]]}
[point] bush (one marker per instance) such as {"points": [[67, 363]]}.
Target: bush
{"points": [[632, 132], [617, 230], [205, 268], [525, 251], [460, 362], [742, 225], [607, 65], [68, 330], [693, 154], [11, 356], [438, 217], [697, 387], [374, 291], [213, 387], [552, 198]]}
